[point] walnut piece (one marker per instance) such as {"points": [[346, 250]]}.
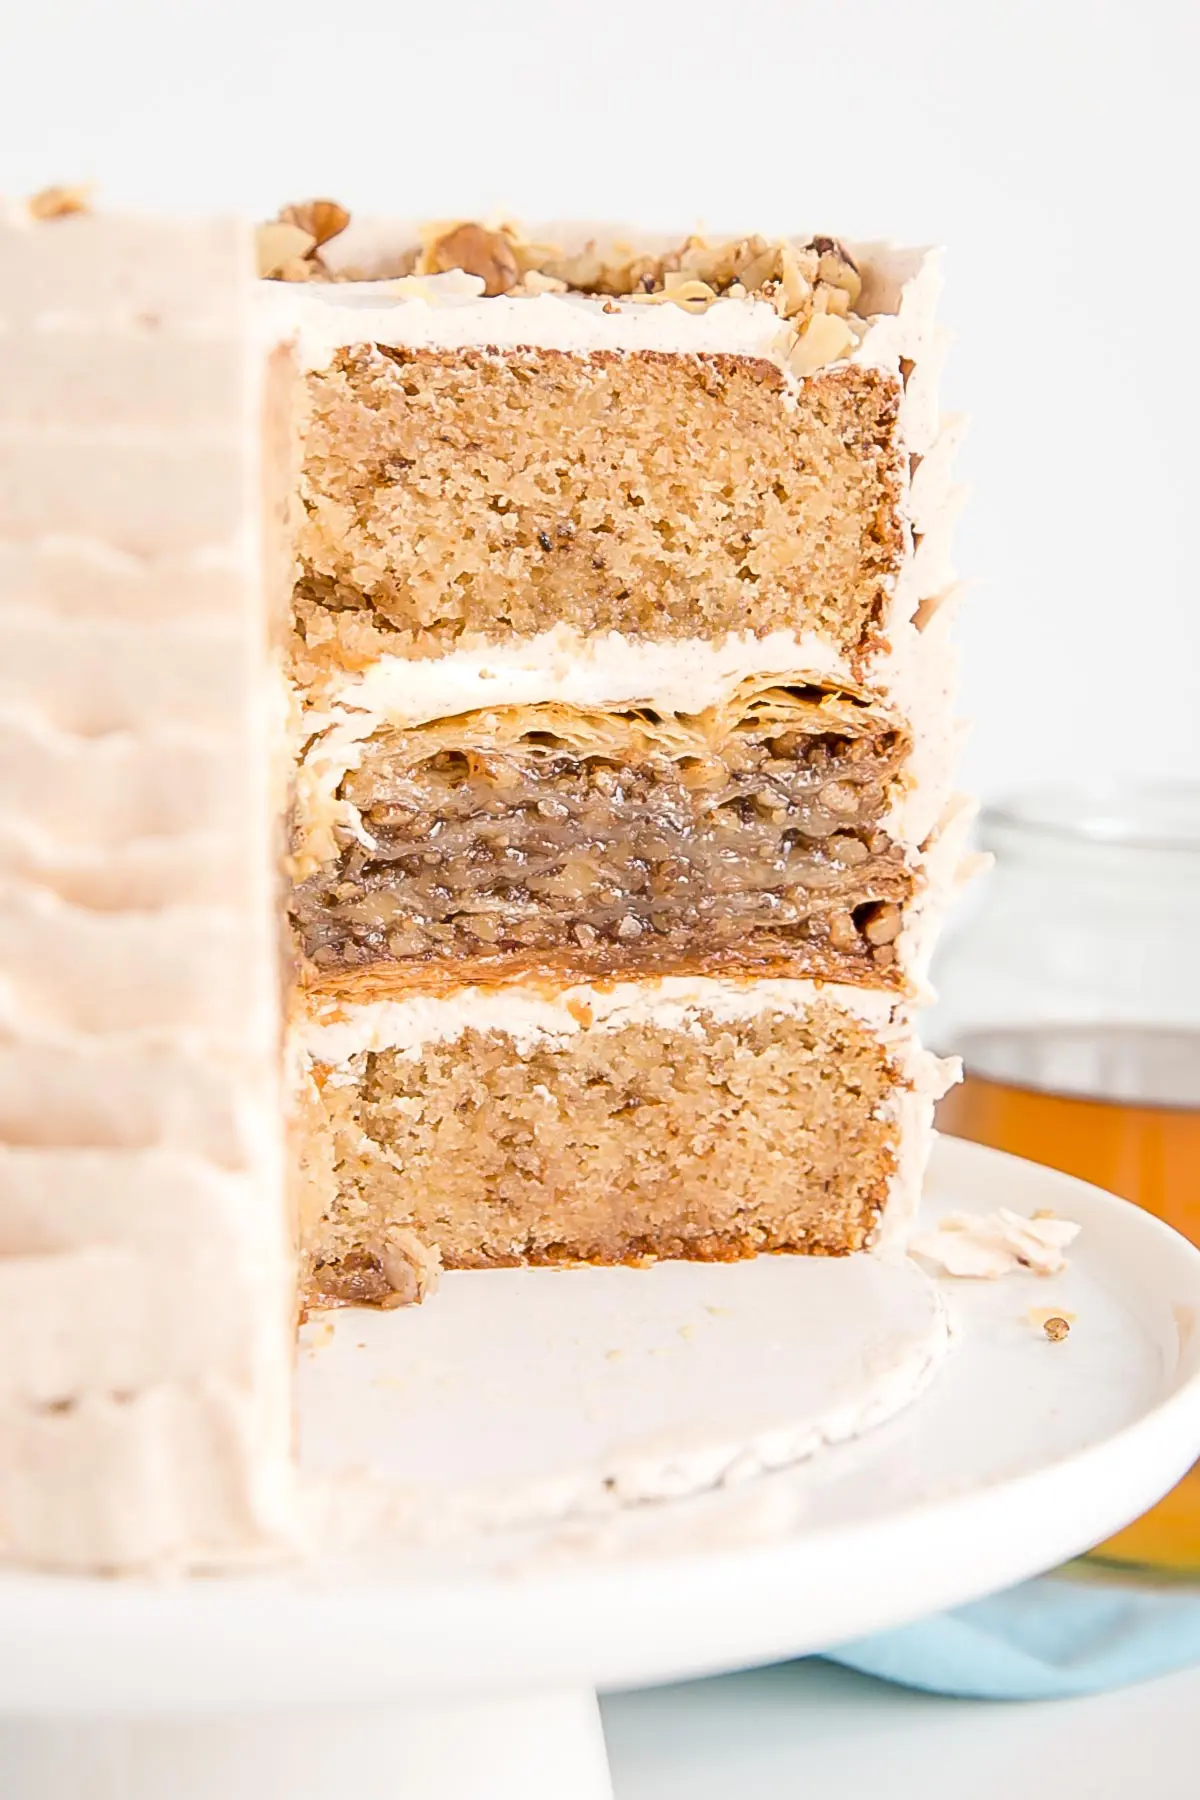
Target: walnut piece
{"points": [[320, 219], [60, 202], [837, 268], [685, 291], [279, 247], [477, 251], [883, 924], [825, 339], [534, 282]]}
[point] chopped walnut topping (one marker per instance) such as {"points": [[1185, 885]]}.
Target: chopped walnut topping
{"points": [[60, 202], [825, 339], [281, 247], [814, 287], [831, 300], [534, 282], [320, 219], [681, 290], [795, 285], [488, 254], [837, 268]]}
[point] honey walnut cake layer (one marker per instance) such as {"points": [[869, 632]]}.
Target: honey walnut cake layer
{"points": [[698, 1118], [561, 618], [449, 491]]}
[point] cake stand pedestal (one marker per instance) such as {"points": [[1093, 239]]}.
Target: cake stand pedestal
{"points": [[520, 1747], [622, 1506]]}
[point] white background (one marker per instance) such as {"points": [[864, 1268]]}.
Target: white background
{"points": [[1050, 144]]}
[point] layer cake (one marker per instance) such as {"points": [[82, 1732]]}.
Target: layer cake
{"points": [[477, 748]]}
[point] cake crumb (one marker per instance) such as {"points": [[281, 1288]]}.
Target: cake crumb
{"points": [[321, 1336], [1056, 1329]]}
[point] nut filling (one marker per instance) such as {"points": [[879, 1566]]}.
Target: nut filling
{"points": [[615, 842]]}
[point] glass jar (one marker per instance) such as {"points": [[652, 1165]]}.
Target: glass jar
{"points": [[1071, 989]]}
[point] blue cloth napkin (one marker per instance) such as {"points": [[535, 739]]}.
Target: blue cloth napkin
{"points": [[1040, 1641]]}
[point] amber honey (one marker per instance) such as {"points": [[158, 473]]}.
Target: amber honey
{"points": [[1120, 1107]]}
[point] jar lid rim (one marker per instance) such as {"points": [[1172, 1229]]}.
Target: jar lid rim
{"points": [[1118, 814]]}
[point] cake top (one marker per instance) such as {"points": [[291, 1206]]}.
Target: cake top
{"points": [[316, 241], [803, 302]]}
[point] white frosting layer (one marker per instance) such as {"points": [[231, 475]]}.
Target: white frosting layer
{"points": [[337, 1032], [676, 674], [450, 311]]}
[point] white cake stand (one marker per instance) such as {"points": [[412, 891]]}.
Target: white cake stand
{"points": [[493, 1572]]}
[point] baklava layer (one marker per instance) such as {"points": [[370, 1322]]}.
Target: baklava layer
{"points": [[617, 842]]}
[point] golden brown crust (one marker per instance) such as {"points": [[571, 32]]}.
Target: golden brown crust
{"points": [[645, 1249], [393, 981]]}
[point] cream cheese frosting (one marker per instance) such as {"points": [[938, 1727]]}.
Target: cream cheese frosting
{"points": [[147, 1304], [450, 311], [333, 1032]]}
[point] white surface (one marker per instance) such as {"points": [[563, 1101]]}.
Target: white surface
{"points": [[810, 1729], [1051, 148], [1022, 1453]]}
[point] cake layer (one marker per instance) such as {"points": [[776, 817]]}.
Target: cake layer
{"points": [[615, 840], [659, 495], [705, 1119]]}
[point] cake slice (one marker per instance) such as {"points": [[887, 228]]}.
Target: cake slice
{"points": [[624, 710]]}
